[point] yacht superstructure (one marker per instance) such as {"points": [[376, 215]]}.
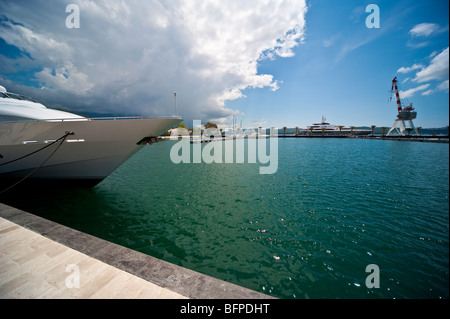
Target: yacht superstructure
{"points": [[323, 125]]}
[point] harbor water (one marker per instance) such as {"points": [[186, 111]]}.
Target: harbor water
{"points": [[334, 207]]}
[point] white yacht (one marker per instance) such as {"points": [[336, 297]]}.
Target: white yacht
{"points": [[42, 144], [325, 128], [317, 127]]}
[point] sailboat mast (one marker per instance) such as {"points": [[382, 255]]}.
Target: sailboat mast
{"points": [[176, 107]]}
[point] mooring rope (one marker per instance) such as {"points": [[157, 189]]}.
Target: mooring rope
{"points": [[62, 139]]}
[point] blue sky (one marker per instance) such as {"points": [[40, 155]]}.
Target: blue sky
{"points": [[351, 86], [265, 62]]}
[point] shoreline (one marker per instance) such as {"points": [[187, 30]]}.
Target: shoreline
{"points": [[423, 139]]}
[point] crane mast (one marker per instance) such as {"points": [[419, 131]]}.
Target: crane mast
{"points": [[397, 94]]}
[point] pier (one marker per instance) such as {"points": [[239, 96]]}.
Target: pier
{"points": [[411, 138], [427, 139], [40, 259]]}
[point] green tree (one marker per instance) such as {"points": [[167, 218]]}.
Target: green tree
{"points": [[373, 128], [340, 129], [210, 125], [383, 129], [284, 130], [418, 130], [409, 130], [352, 128], [323, 131]]}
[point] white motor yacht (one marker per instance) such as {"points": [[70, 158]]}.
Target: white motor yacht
{"points": [[317, 127], [42, 144], [325, 128]]}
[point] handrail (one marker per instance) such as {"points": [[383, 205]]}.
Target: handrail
{"points": [[75, 119], [135, 117]]}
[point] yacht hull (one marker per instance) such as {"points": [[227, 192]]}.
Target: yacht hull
{"points": [[94, 150]]}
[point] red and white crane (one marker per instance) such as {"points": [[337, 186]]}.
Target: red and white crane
{"points": [[404, 113]]}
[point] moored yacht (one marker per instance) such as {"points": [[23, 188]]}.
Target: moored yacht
{"points": [[323, 125], [42, 144], [325, 128]]}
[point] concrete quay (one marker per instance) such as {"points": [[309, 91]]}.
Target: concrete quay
{"points": [[40, 259]]}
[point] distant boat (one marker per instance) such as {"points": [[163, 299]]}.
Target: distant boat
{"points": [[317, 127], [42, 144], [330, 129]]}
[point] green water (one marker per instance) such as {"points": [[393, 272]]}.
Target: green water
{"points": [[309, 231]]}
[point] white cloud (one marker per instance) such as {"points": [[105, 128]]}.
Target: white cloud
{"points": [[433, 54], [406, 80], [65, 78], [421, 34], [443, 86], [409, 69], [45, 49], [409, 93], [331, 41], [424, 29], [130, 56], [437, 70]]}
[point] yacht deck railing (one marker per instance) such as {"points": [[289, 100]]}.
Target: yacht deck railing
{"points": [[80, 119]]}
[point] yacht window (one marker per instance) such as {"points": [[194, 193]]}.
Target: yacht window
{"points": [[16, 97]]}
